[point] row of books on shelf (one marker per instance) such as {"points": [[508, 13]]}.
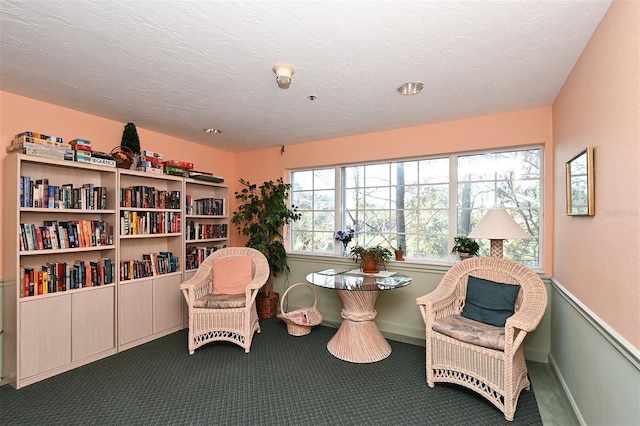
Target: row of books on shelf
{"points": [[54, 277], [197, 255], [205, 206], [54, 234], [147, 223], [41, 193], [149, 197], [152, 264], [205, 231]]}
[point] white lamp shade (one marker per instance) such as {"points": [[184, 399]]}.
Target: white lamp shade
{"points": [[497, 224]]}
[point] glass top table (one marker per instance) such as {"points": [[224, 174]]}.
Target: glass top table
{"points": [[358, 339], [358, 282]]}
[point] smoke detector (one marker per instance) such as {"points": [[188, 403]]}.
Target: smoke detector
{"points": [[283, 74]]}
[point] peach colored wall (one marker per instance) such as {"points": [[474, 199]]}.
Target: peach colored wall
{"points": [[598, 258], [256, 168], [18, 114], [513, 129]]}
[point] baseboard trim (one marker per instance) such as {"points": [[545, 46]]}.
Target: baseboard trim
{"points": [[567, 391], [625, 348]]}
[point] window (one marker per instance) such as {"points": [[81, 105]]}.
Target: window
{"points": [[510, 180], [419, 204], [314, 193]]}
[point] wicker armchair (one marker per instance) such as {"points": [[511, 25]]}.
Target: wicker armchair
{"points": [[498, 375], [215, 317]]}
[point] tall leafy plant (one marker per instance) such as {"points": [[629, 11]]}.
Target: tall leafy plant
{"points": [[261, 216]]}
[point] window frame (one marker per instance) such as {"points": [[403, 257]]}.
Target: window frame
{"points": [[339, 213]]}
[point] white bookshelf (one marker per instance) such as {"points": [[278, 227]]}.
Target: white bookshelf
{"points": [[149, 299], [49, 332]]}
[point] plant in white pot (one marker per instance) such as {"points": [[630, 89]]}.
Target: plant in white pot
{"points": [[465, 247], [261, 216]]}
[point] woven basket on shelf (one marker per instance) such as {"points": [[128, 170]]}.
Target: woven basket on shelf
{"points": [[300, 321], [123, 156]]}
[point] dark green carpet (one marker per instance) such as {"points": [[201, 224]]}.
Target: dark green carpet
{"points": [[284, 380]]}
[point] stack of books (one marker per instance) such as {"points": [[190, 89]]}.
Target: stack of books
{"points": [[41, 145], [150, 162], [85, 154], [177, 168], [205, 176]]}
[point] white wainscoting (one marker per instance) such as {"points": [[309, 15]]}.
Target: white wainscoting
{"points": [[599, 370]]}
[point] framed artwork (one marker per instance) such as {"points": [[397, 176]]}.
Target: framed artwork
{"points": [[580, 184]]}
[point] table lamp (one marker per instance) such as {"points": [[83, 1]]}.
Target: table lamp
{"points": [[497, 225]]}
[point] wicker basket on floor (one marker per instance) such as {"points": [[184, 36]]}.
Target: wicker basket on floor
{"points": [[300, 321]]}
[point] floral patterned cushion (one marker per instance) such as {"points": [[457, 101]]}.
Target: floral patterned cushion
{"points": [[470, 331], [220, 301]]}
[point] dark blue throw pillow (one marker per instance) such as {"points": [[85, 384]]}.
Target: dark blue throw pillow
{"points": [[490, 302]]}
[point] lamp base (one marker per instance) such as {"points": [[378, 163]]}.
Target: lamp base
{"points": [[496, 248]]}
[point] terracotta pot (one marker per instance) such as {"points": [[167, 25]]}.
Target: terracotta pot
{"points": [[399, 255], [267, 305], [370, 265]]}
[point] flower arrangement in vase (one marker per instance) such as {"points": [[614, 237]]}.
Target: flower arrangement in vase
{"points": [[345, 238]]}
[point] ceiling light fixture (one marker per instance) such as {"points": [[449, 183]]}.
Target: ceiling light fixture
{"points": [[213, 131], [283, 74], [410, 88]]}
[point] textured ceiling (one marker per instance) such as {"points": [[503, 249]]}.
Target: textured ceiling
{"points": [[178, 67]]}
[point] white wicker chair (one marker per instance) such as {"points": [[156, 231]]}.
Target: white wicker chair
{"points": [[498, 375], [237, 324]]}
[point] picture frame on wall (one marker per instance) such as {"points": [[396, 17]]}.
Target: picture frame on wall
{"points": [[581, 184]]}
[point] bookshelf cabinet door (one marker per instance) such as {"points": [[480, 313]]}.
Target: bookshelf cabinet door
{"points": [[167, 303], [136, 311], [45, 335], [92, 328]]}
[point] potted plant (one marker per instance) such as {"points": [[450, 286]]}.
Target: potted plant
{"points": [[370, 258], [130, 138], [261, 215], [399, 253], [465, 246]]}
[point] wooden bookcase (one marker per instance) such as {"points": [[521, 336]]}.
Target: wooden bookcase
{"points": [[46, 331], [47, 334]]}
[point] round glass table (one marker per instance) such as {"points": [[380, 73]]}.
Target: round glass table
{"points": [[358, 339]]}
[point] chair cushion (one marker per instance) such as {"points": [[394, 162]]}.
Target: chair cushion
{"points": [[490, 302], [231, 274], [470, 331], [220, 301]]}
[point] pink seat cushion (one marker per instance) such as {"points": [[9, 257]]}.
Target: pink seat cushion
{"points": [[470, 331], [231, 274]]}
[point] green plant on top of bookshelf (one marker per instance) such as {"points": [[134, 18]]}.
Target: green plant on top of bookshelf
{"points": [[130, 138]]}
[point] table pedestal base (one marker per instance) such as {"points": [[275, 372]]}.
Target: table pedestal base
{"points": [[358, 339]]}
